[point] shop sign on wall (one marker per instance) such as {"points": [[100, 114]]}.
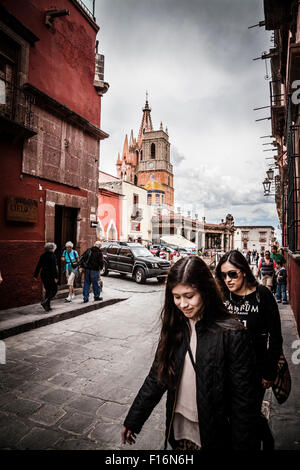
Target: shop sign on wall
{"points": [[19, 209]]}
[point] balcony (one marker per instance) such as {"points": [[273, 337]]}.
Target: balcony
{"points": [[137, 213], [278, 109], [262, 240], [99, 83], [17, 118]]}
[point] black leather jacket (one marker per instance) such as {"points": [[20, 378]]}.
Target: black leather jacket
{"points": [[227, 389]]}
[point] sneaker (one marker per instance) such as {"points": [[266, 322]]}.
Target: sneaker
{"points": [[73, 296], [45, 306], [98, 298], [279, 301], [85, 301], [68, 299], [285, 302]]}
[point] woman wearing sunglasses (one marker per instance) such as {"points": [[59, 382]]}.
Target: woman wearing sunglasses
{"points": [[255, 306], [205, 363]]}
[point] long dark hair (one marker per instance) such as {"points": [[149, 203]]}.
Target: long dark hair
{"points": [[192, 271], [238, 260]]}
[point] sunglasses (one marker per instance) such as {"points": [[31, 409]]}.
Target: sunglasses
{"points": [[231, 274]]}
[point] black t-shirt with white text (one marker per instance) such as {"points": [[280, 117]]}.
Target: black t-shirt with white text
{"points": [[259, 313]]}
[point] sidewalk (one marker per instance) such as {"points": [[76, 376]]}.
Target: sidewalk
{"points": [[20, 319], [284, 419]]}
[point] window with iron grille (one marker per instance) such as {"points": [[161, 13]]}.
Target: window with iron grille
{"points": [[292, 207], [8, 75], [16, 105]]}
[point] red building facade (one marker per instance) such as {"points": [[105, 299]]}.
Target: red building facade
{"points": [[283, 18], [51, 83]]}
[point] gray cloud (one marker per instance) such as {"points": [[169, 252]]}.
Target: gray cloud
{"points": [[195, 59]]}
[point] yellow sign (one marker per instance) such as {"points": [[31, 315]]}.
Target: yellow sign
{"points": [[19, 209]]}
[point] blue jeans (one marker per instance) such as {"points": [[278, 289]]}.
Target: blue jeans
{"points": [[281, 292], [91, 277]]}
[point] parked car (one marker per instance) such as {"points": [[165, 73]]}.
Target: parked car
{"points": [[134, 259]]}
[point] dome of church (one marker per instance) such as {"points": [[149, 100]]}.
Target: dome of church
{"points": [[153, 185]]}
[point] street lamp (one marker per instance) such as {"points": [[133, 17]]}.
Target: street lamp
{"points": [[267, 186], [270, 174]]}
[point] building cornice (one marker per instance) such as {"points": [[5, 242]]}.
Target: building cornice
{"points": [[46, 101]]}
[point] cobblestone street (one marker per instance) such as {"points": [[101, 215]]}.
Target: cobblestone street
{"points": [[69, 385]]}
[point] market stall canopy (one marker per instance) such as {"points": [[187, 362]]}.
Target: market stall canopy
{"points": [[178, 241]]}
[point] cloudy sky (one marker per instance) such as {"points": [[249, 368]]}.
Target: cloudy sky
{"points": [[195, 59]]}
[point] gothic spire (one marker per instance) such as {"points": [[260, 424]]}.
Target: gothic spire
{"points": [[125, 148], [146, 124]]}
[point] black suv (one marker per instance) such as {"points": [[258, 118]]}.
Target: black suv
{"points": [[134, 259]]}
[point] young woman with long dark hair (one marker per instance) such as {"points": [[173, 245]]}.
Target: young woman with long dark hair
{"points": [[254, 305], [205, 362]]}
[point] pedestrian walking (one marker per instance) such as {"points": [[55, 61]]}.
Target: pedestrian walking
{"points": [[281, 276], [92, 262], [47, 266], [256, 308], [205, 363], [275, 255], [281, 252], [176, 256], [266, 266], [71, 259], [256, 259]]}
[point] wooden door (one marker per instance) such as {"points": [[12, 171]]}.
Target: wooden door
{"points": [[65, 230]]}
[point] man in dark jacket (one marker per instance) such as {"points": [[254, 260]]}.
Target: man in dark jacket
{"points": [[49, 274], [92, 262]]}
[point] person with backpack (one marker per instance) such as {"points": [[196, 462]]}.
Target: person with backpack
{"points": [[91, 262], [71, 258], [255, 306], [266, 267]]}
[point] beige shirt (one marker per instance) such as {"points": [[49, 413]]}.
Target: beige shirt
{"points": [[186, 424]]}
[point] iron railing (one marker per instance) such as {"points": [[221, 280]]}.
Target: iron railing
{"points": [[88, 6], [276, 97], [16, 105]]}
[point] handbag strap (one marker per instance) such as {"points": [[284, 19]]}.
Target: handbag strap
{"points": [[190, 354], [70, 259]]}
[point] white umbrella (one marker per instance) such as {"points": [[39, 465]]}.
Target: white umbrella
{"points": [[178, 241]]}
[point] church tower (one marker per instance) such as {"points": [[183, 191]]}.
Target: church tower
{"points": [[148, 155]]}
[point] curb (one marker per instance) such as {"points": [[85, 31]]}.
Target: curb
{"points": [[16, 330]]}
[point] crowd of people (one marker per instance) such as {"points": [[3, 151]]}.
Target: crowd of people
{"points": [[88, 265]]}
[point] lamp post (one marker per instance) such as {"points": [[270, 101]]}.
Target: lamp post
{"points": [[267, 186], [270, 174]]}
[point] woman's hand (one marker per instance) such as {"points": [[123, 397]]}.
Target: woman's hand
{"points": [[267, 383], [128, 436]]}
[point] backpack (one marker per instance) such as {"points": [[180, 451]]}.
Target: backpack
{"points": [[85, 258]]}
